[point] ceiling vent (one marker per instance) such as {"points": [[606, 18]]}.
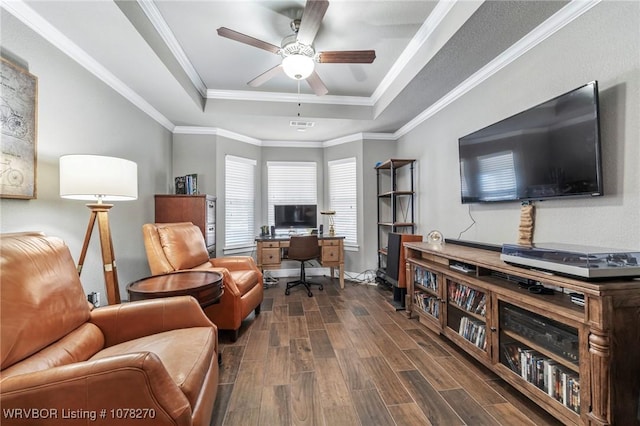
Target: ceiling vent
{"points": [[303, 124]]}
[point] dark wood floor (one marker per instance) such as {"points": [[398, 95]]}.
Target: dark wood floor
{"points": [[345, 357]]}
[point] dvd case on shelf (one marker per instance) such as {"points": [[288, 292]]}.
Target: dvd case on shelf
{"points": [[546, 374], [427, 303], [468, 298]]}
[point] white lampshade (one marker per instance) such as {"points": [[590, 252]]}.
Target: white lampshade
{"points": [[298, 67], [95, 177]]}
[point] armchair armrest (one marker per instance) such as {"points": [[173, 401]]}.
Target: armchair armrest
{"points": [[128, 321], [234, 263], [111, 386]]}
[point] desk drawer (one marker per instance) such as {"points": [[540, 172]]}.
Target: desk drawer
{"points": [[270, 256], [330, 242], [271, 244], [330, 254]]}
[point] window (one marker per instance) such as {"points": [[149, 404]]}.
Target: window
{"points": [[239, 202], [290, 182], [343, 198]]}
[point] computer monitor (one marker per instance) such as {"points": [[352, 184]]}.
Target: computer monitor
{"points": [[296, 216]]}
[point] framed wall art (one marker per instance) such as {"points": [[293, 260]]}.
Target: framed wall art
{"points": [[18, 131]]}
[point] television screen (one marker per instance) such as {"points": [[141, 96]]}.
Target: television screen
{"points": [[296, 216], [551, 150]]}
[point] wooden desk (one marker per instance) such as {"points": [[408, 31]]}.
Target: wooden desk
{"points": [[269, 253]]}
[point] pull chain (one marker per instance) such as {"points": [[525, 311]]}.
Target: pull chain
{"points": [[298, 98]]}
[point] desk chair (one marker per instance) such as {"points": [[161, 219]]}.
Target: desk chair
{"points": [[303, 249]]}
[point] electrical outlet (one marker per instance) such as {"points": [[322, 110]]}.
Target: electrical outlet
{"points": [[94, 298]]}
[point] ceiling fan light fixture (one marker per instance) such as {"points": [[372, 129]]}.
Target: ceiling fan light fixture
{"points": [[298, 67]]}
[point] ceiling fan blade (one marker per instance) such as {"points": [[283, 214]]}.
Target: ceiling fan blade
{"points": [[347, 57], [316, 84], [312, 16], [265, 76], [243, 38]]}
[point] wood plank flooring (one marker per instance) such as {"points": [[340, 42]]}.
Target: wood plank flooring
{"points": [[345, 357]]}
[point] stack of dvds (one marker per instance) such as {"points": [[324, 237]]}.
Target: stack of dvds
{"points": [[474, 331], [468, 298], [557, 381], [426, 278], [427, 303]]}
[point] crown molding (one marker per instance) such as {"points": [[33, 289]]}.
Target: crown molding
{"points": [[433, 21], [246, 95], [197, 130], [359, 137], [557, 21], [292, 144], [379, 136], [157, 20], [37, 23], [237, 136]]}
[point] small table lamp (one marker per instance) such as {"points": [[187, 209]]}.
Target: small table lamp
{"points": [[330, 213], [98, 178]]}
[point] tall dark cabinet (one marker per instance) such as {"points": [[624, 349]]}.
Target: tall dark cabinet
{"points": [[396, 221], [198, 209]]}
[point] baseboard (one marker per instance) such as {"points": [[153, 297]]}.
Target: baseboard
{"points": [[311, 272], [294, 272]]}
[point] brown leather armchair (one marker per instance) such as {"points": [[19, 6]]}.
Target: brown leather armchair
{"points": [[141, 363], [179, 246]]}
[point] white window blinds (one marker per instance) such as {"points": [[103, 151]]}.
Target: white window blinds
{"points": [[290, 182], [239, 201], [497, 176], [343, 198]]}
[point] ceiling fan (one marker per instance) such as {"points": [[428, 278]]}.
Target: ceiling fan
{"points": [[297, 51]]}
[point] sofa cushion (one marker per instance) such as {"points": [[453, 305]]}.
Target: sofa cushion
{"points": [[183, 245], [41, 297], [79, 345], [187, 355]]}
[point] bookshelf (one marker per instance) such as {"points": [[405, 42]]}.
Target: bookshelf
{"points": [[395, 207], [573, 352]]}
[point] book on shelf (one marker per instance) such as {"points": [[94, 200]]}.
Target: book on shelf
{"points": [[181, 187], [187, 184]]}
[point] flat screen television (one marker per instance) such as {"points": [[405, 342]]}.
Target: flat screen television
{"points": [[296, 216], [549, 151]]}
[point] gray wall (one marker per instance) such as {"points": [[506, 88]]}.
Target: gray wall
{"points": [[79, 114], [196, 154], [602, 45]]}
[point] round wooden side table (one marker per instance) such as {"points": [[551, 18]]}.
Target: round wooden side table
{"points": [[205, 286]]}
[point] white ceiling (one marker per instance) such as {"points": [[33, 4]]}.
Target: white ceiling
{"points": [[166, 56]]}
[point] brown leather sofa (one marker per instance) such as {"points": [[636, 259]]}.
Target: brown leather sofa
{"points": [[179, 246], [141, 363]]}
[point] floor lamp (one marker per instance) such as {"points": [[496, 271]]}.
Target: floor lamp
{"points": [[99, 179]]}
